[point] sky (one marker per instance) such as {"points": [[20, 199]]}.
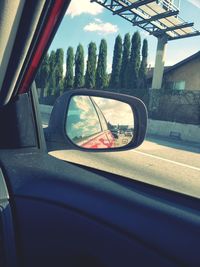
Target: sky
{"points": [[110, 108], [85, 22]]}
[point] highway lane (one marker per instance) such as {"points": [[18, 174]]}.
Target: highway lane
{"points": [[164, 163]]}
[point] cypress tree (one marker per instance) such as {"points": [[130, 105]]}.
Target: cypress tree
{"points": [[134, 64], [52, 79], [116, 64], [91, 66], [37, 79], [101, 74], [125, 62], [59, 71], [69, 78], [143, 89], [143, 65], [44, 75], [79, 67]]}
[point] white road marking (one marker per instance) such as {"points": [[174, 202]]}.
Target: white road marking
{"points": [[168, 160]]}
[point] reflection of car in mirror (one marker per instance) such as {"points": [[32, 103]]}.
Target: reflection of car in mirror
{"points": [[115, 133], [86, 125], [128, 132], [93, 122]]}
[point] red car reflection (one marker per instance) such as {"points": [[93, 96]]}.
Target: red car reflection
{"points": [[102, 140], [86, 124]]}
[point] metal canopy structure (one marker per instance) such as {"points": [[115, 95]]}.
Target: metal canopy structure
{"points": [[158, 17]]}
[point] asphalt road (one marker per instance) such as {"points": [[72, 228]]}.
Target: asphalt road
{"points": [[166, 163]]}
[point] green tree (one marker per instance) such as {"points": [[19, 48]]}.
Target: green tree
{"points": [[43, 75], [125, 62], [142, 88], [134, 63], [79, 67], [116, 64], [37, 79], [143, 65], [69, 78], [59, 71], [91, 66], [52, 79], [101, 73]]}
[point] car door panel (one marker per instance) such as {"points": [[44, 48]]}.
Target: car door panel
{"points": [[68, 199], [54, 235], [7, 231]]}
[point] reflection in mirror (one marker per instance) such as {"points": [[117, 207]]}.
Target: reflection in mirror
{"points": [[99, 123]]}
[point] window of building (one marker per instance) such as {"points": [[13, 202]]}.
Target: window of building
{"points": [[179, 85], [175, 85]]}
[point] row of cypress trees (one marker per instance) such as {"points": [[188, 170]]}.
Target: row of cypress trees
{"points": [[95, 75], [128, 70], [49, 78]]}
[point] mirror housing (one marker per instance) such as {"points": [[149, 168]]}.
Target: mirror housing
{"points": [[55, 133]]}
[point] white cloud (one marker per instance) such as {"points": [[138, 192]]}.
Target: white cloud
{"points": [[77, 8], [98, 20], [109, 108], [101, 28], [195, 3]]}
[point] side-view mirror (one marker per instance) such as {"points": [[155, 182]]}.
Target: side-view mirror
{"points": [[94, 120]]}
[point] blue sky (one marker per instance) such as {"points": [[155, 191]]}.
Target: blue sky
{"points": [[85, 22]]}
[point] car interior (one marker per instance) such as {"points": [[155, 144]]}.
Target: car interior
{"points": [[55, 213]]}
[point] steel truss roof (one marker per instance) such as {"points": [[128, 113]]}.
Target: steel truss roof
{"points": [[158, 17]]}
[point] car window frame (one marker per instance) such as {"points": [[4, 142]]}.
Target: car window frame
{"points": [[97, 116]]}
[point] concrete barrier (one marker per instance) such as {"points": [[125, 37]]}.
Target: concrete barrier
{"points": [[185, 132], [46, 108], [45, 111]]}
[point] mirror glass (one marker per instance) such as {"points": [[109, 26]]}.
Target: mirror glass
{"points": [[99, 123]]}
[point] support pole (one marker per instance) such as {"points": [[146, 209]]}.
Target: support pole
{"points": [[159, 64]]}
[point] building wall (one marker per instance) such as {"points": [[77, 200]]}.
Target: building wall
{"points": [[189, 72]]}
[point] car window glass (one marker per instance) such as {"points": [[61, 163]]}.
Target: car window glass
{"points": [[95, 50], [101, 117]]}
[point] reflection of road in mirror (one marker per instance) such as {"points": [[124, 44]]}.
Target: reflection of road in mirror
{"points": [[120, 119], [96, 122], [122, 140]]}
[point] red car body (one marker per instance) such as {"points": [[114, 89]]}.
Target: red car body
{"points": [[86, 124], [103, 140]]}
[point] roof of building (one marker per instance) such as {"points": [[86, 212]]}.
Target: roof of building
{"points": [[184, 61], [175, 66]]}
